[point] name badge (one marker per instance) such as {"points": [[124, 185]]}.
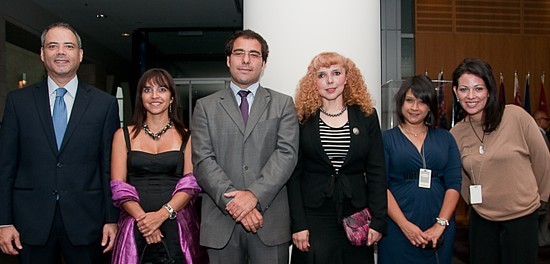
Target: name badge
{"points": [[425, 178], [475, 194]]}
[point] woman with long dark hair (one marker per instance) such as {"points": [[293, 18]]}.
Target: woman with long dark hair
{"points": [[505, 169], [152, 180]]}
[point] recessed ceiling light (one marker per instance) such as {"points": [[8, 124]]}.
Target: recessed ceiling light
{"points": [[100, 15], [125, 34]]}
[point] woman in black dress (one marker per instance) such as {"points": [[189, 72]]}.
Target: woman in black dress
{"points": [[152, 179]]}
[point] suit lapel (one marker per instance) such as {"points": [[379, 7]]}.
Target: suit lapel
{"points": [[353, 126], [42, 104], [80, 105], [261, 102], [229, 104]]}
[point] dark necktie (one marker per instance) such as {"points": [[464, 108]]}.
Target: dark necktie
{"points": [[244, 104], [59, 115]]}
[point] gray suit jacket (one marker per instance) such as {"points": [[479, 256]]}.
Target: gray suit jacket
{"points": [[260, 157]]}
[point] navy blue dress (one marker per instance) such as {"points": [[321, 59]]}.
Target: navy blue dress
{"points": [[419, 205]]}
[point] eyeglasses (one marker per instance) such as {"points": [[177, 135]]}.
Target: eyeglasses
{"points": [[252, 54]]}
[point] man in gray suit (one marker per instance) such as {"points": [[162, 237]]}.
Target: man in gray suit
{"points": [[245, 147]]}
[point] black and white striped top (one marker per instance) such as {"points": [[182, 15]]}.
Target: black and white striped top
{"points": [[335, 141]]}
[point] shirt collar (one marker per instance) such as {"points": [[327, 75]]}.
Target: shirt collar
{"points": [[71, 86], [252, 88]]}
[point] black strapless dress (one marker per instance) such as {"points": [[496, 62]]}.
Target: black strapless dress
{"points": [[155, 177]]}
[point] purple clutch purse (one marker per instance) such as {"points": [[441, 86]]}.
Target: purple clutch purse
{"points": [[357, 227]]}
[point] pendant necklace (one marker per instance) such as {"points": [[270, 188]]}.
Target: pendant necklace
{"points": [[334, 115], [411, 133], [482, 148], [156, 136]]}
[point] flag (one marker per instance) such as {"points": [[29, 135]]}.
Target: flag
{"points": [[542, 98], [501, 93], [527, 104], [517, 96], [442, 119]]}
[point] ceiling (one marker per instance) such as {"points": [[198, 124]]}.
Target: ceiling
{"points": [[175, 28]]}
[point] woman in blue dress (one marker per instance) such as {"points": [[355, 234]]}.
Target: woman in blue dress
{"points": [[424, 178]]}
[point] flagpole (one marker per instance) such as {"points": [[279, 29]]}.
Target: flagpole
{"points": [[542, 95], [527, 100], [517, 96], [502, 93]]}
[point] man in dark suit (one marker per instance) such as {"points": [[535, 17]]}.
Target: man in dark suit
{"points": [[55, 146], [245, 143]]}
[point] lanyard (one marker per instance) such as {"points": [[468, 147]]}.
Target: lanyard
{"points": [[423, 156]]}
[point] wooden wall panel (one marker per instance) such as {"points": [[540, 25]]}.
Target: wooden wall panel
{"points": [[512, 35], [536, 17]]}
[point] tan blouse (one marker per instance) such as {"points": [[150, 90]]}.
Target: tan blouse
{"points": [[514, 171]]}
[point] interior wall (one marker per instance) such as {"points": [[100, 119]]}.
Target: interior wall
{"points": [[22, 61], [352, 29], [511, 35], [19, 61]]}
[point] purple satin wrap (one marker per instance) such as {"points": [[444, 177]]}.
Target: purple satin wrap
{"points": [[125, 251]]}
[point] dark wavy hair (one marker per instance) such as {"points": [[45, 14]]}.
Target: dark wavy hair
{"points": [[159, 77], [247, 34], [422, 88], [493, 110]]}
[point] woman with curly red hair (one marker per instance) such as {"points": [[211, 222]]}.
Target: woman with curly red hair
{"points": [[340, 168]]}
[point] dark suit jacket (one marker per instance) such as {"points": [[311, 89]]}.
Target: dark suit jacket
{"points": [[362, 176], [259, 156], [33, 172]]}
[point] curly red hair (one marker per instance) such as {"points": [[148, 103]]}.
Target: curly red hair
{"points": [[355, 92]]}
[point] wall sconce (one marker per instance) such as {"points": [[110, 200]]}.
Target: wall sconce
{"points": [[23, 80]]}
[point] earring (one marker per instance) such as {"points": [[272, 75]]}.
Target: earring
{"points": [[170, 108], [458, 100]]}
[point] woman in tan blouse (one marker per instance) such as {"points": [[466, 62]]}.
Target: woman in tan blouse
{"points": [[505, 169]]}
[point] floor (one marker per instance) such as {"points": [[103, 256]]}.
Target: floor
{"points": [[460, 249]]}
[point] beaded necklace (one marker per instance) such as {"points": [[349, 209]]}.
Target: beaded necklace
{"points": [[156, 136], [334, 115]]}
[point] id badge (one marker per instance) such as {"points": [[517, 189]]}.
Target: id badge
{"points": [[475, 194], [425, 178]]}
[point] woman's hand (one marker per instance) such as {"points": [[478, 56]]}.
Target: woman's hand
{"points": [[155, 237], [414, 234], [151, 221], [373, 237], [434, 233], [301, 240]]}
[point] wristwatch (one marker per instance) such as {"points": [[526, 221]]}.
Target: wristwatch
{"points": [[171, 211], [441, 221]]}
